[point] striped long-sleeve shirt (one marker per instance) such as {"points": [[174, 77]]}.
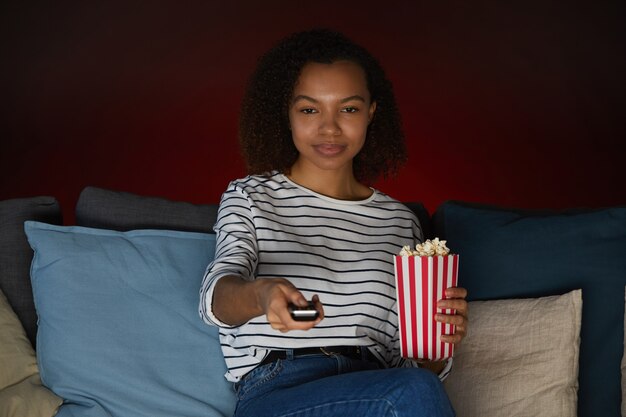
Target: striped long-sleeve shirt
{"points": [[341, 250]]}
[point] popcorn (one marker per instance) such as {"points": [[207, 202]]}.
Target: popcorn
{"points": [[422, 276], [433, 247]]}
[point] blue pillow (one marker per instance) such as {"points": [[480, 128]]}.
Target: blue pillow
{"points": [[509, 253], [119, 332]]}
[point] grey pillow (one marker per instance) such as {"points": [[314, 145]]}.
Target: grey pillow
{"points": [[16, 255], [116, 210]]}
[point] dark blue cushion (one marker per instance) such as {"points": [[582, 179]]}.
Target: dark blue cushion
{"points": [[514, 254]]}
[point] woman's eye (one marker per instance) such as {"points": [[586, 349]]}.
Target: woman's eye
{"points": [[350, 110], [308, 111]]}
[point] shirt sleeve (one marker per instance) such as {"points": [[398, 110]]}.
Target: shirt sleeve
{"points": [[407, 363], [446, 370], [235, 249]]}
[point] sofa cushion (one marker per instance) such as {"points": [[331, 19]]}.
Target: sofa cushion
{"points": [[106, 209], [21, 392], [511, 254], [520, 357], [120, 334], [624, 364], [423, 216], [16, 255]]}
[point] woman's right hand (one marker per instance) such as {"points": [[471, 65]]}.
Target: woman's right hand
{"points": [[274, 296], [237, 301]]}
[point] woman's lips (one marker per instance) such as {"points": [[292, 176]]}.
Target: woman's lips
{"points": [[329, 149]]}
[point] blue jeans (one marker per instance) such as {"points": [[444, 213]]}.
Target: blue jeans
{"points": [[327, 386]]}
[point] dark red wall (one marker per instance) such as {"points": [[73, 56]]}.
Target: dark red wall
{"points": [[513, 103]]}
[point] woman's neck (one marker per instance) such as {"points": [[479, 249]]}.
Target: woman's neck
{"points": [[341, 185]]}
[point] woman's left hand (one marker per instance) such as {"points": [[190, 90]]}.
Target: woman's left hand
{"points": [[455, 300]]}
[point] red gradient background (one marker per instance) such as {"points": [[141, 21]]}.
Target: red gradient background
{"points": [[518, 104]]}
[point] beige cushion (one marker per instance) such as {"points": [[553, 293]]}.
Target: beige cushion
{"points": [[21, 391], [519, 358]]}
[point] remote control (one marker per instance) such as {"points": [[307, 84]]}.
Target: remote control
{"points": [[308, 313]]}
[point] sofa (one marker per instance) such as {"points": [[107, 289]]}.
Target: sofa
{"points": [[100, 318]]}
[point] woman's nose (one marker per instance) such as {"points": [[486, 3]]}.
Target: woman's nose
{"points": [[329, 126]]}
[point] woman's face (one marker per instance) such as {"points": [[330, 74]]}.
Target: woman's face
{"points": [[329, 114]]}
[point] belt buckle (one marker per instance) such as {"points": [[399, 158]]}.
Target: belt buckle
{"points": [[325, 352], [331, 353]]}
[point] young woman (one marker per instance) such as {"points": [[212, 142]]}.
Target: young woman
{"points": [[318, 124]]}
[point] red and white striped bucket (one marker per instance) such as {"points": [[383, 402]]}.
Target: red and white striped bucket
{"points": [[420, 283]]}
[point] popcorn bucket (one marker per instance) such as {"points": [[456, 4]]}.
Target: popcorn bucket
{"points": [[420, 283]]}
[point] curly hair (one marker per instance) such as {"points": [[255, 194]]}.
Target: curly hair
{"points": [[264, 129]]}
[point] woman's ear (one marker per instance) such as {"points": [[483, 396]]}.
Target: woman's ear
{"points": [[371, 112]]}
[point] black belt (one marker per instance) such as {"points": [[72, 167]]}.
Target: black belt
{"points": [[354, 352]]}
